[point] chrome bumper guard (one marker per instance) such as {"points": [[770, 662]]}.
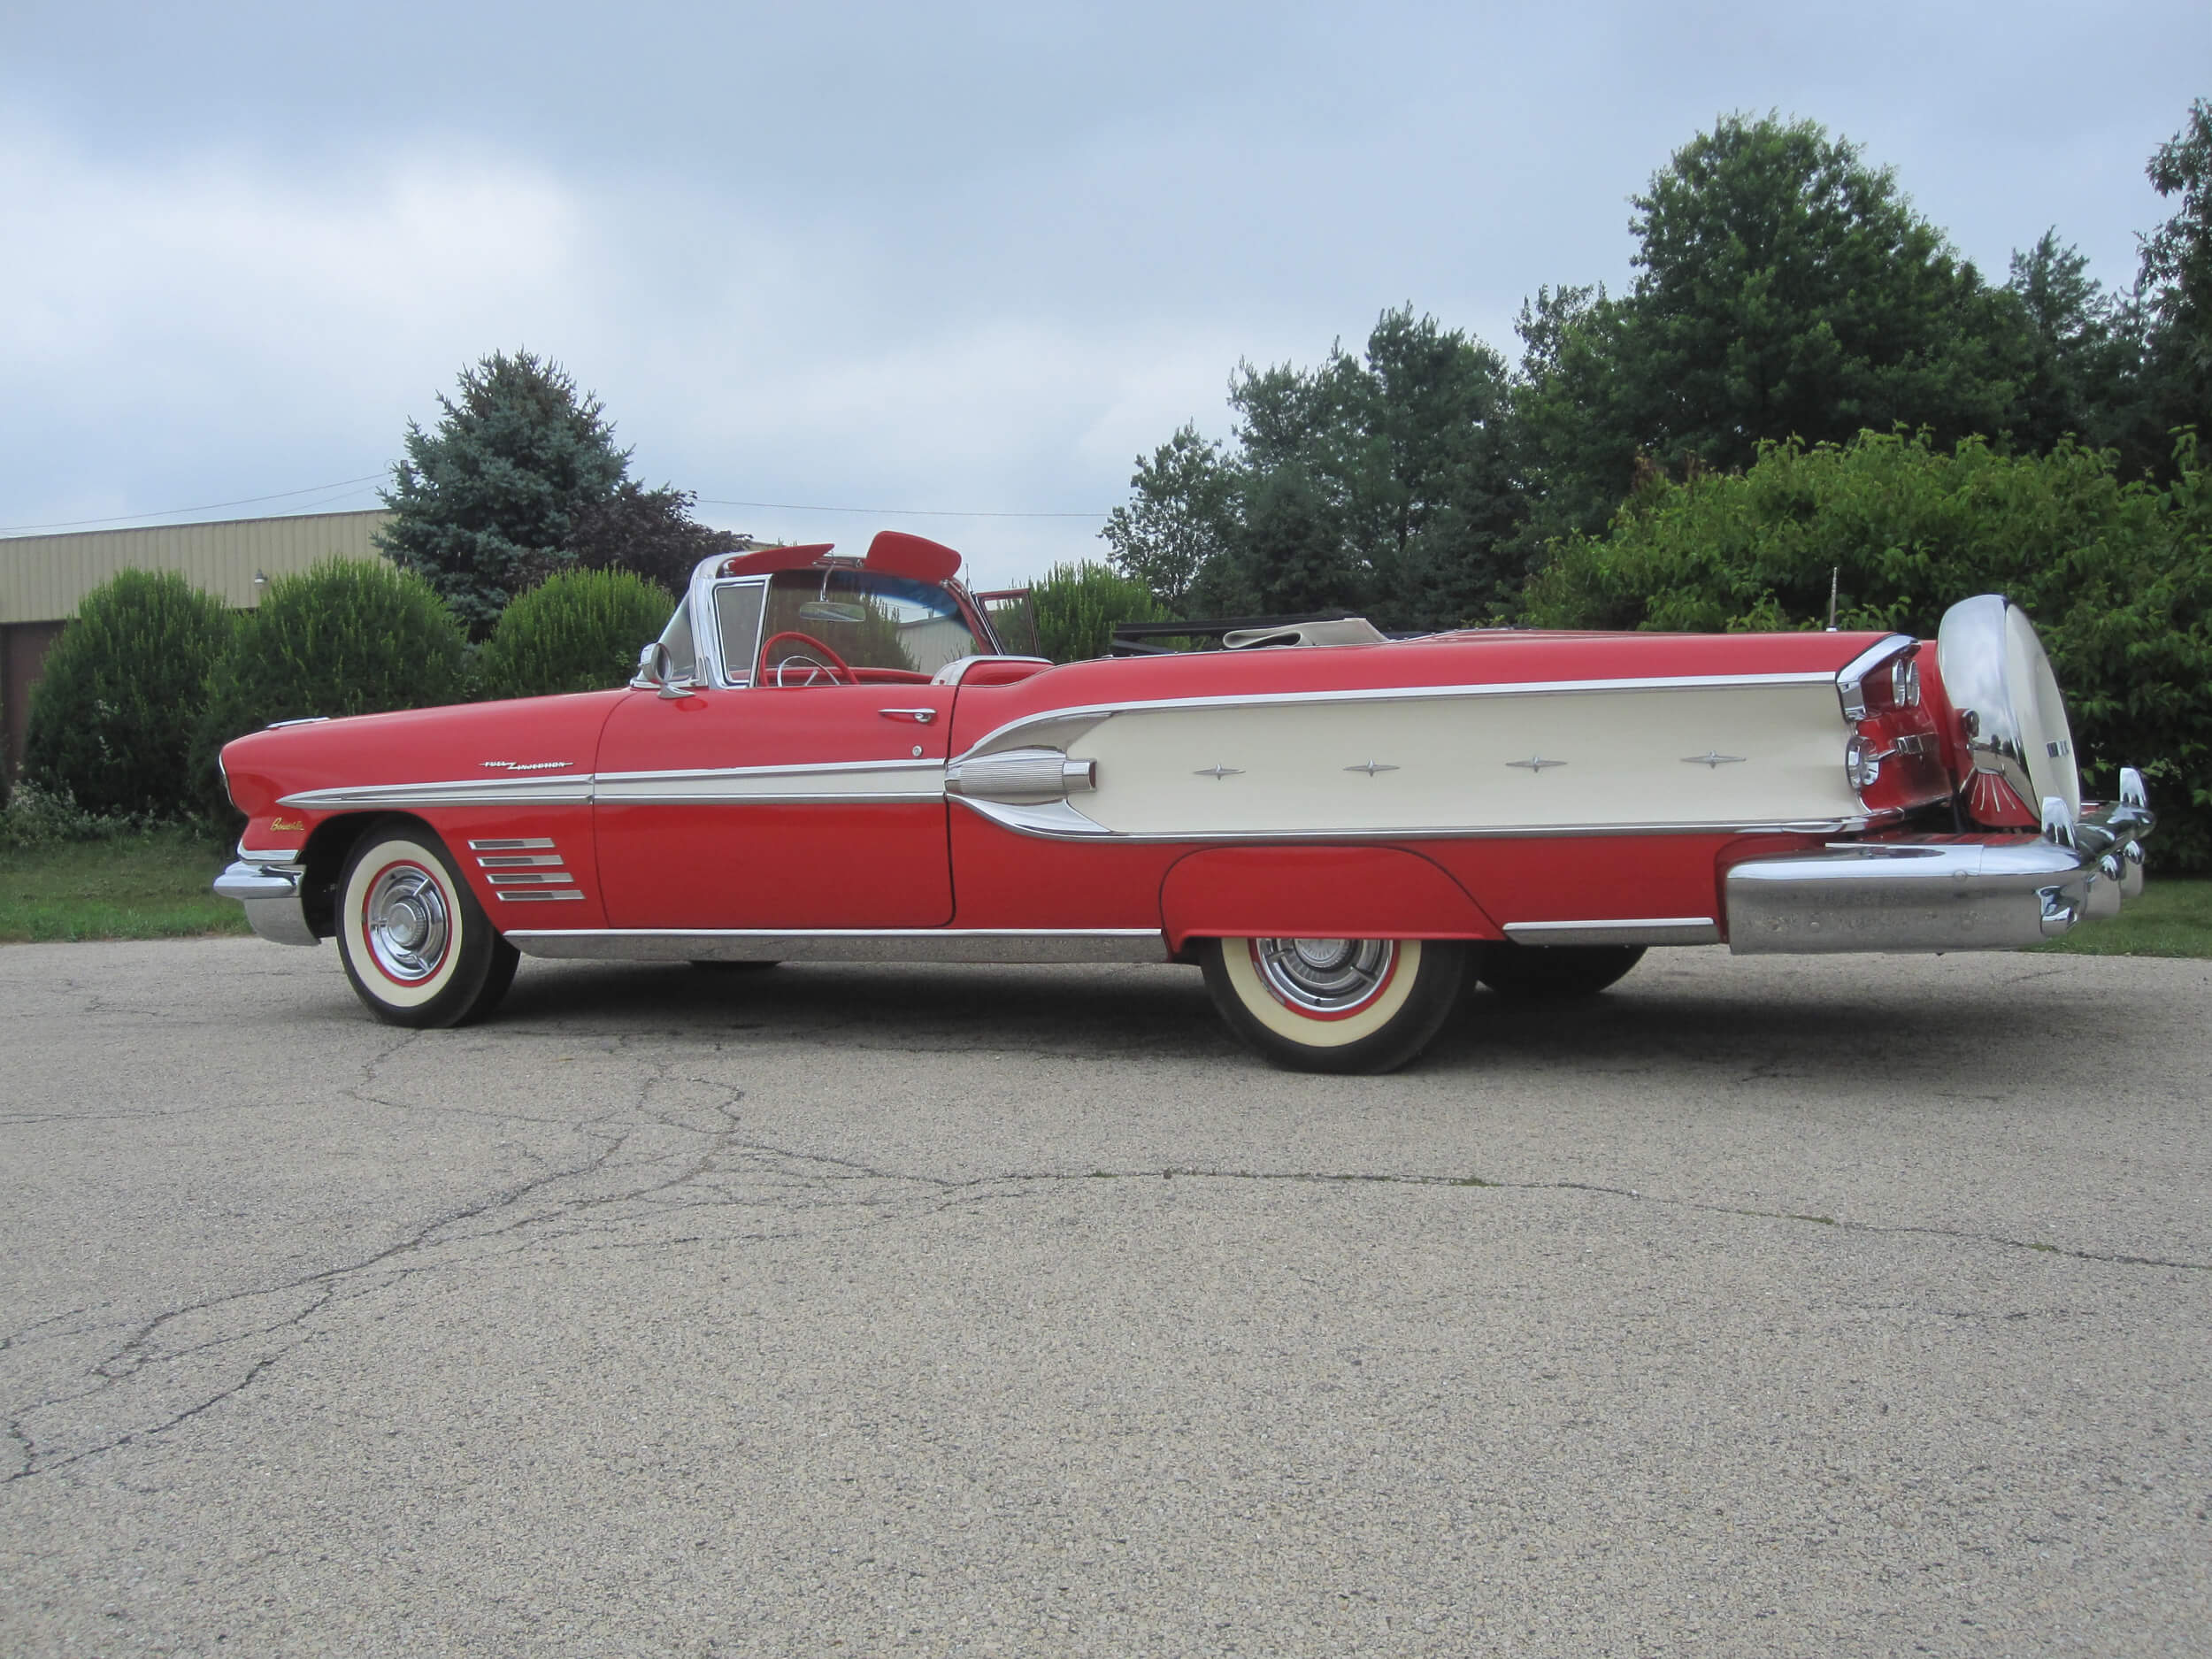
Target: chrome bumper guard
{"points": [[270, 894], [1943, 893]]}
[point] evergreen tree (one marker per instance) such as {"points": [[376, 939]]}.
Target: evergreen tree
{"points": [[487, 501]]}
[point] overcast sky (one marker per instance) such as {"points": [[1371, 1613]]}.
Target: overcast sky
{"points": [[968, 258]]}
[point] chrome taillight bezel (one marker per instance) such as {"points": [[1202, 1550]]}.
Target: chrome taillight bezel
{"points": [[1862, 762]]}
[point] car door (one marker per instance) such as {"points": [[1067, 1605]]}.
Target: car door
{"points": [[817, 805]]}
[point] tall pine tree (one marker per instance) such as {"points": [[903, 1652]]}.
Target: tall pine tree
{"points": [[487, 503]]}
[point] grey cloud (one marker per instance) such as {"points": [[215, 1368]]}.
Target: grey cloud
{"points": [[965, 256]]}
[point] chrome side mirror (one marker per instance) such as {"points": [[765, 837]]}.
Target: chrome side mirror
{"points": [[656, 670]]}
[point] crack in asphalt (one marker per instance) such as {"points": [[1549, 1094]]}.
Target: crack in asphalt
{"points": [[716, 1171]]}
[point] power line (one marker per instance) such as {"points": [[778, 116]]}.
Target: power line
{"points": [[709, 501], [169, 513], [889, 513]]}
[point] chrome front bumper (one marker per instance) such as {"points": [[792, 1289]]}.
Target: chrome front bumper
{"points": [[270, 894], [1941, 892]]}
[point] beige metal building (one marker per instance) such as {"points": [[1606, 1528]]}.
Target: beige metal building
{"points": [[44, 577]]}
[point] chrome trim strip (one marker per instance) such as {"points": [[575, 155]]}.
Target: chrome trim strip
{"points": [[891, 944], [510, 844], [538, 893], [791, 797], [519, 861], [1655, 930], [269, 856], [466, 792], [1060, 821], [907, 780], [529, 878], [1054, 820], [1395, 693], [801, 769]]}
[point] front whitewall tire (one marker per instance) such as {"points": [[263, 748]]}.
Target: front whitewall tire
{"points": [[417, 945]]}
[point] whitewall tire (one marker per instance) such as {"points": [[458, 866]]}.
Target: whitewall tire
{"points": [[417, 945], [1345, 1006]]}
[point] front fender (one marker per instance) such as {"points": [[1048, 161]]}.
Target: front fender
{"points": [[1315, 893]]}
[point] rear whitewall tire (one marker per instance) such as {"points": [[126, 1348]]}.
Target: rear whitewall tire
{"points": [[417, 945], [1395, 995]]}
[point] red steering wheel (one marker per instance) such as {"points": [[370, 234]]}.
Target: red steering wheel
{"points": [[837, 668]]}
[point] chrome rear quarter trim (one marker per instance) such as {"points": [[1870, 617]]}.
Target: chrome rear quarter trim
{"points": [[1654, 930]]}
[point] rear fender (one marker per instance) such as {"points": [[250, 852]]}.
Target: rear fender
{"points": [[1315, 893]]}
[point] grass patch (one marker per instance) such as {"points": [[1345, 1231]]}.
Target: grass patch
{"points": [[149, 886], [2172, 918]]}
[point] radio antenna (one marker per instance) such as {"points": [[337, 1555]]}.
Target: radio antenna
{"points": [[1834, 572]]}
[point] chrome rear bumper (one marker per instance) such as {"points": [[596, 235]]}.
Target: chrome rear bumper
{"points": [[1943, 893], [270, 894]]}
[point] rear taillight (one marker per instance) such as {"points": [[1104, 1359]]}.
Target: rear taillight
{"points": [[1893, 757]]}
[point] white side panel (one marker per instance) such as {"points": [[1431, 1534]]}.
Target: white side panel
{"points": [[1700, 755]]}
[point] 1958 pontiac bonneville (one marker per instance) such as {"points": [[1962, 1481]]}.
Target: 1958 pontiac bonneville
{"points": [[832, 757]]}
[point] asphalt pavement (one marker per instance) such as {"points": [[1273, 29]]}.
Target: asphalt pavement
{"points": [[1803, 1307]]}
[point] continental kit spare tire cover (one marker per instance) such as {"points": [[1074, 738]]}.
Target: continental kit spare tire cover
{"points": [[1999, 679]]}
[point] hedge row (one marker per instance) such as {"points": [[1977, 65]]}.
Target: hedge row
{"points": [[153, 677]]}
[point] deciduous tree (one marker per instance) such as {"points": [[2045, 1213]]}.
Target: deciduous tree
{"points": [[1784, 289]]}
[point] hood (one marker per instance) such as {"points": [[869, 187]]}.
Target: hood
{"points": [[478, 743]]}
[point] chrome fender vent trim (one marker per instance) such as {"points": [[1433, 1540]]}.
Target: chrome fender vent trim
{"points": [[1021, 777]]}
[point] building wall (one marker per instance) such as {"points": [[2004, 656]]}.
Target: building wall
{"points": [[44, 577], [22, 651]]}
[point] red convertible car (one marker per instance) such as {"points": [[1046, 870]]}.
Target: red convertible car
{"points": [[831, 758]]}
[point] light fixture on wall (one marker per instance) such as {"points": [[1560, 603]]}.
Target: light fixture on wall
{"points": [[260, 580]]}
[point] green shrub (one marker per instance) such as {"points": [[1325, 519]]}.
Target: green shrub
{"points": [[1077, 605], [39, 817], [576, 631], [122, 696], [349, 636], [2117, 577]]}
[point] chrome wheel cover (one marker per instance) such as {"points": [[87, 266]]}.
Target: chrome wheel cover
{"points": [[1325, 976], [407, 923]]}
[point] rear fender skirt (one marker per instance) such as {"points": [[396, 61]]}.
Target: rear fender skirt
{"points": [[1315, 893]]}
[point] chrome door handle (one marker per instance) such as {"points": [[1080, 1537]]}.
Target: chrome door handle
{"points": [[921, 716]]}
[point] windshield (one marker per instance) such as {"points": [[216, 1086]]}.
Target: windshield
{"points": [[871, 621]]}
